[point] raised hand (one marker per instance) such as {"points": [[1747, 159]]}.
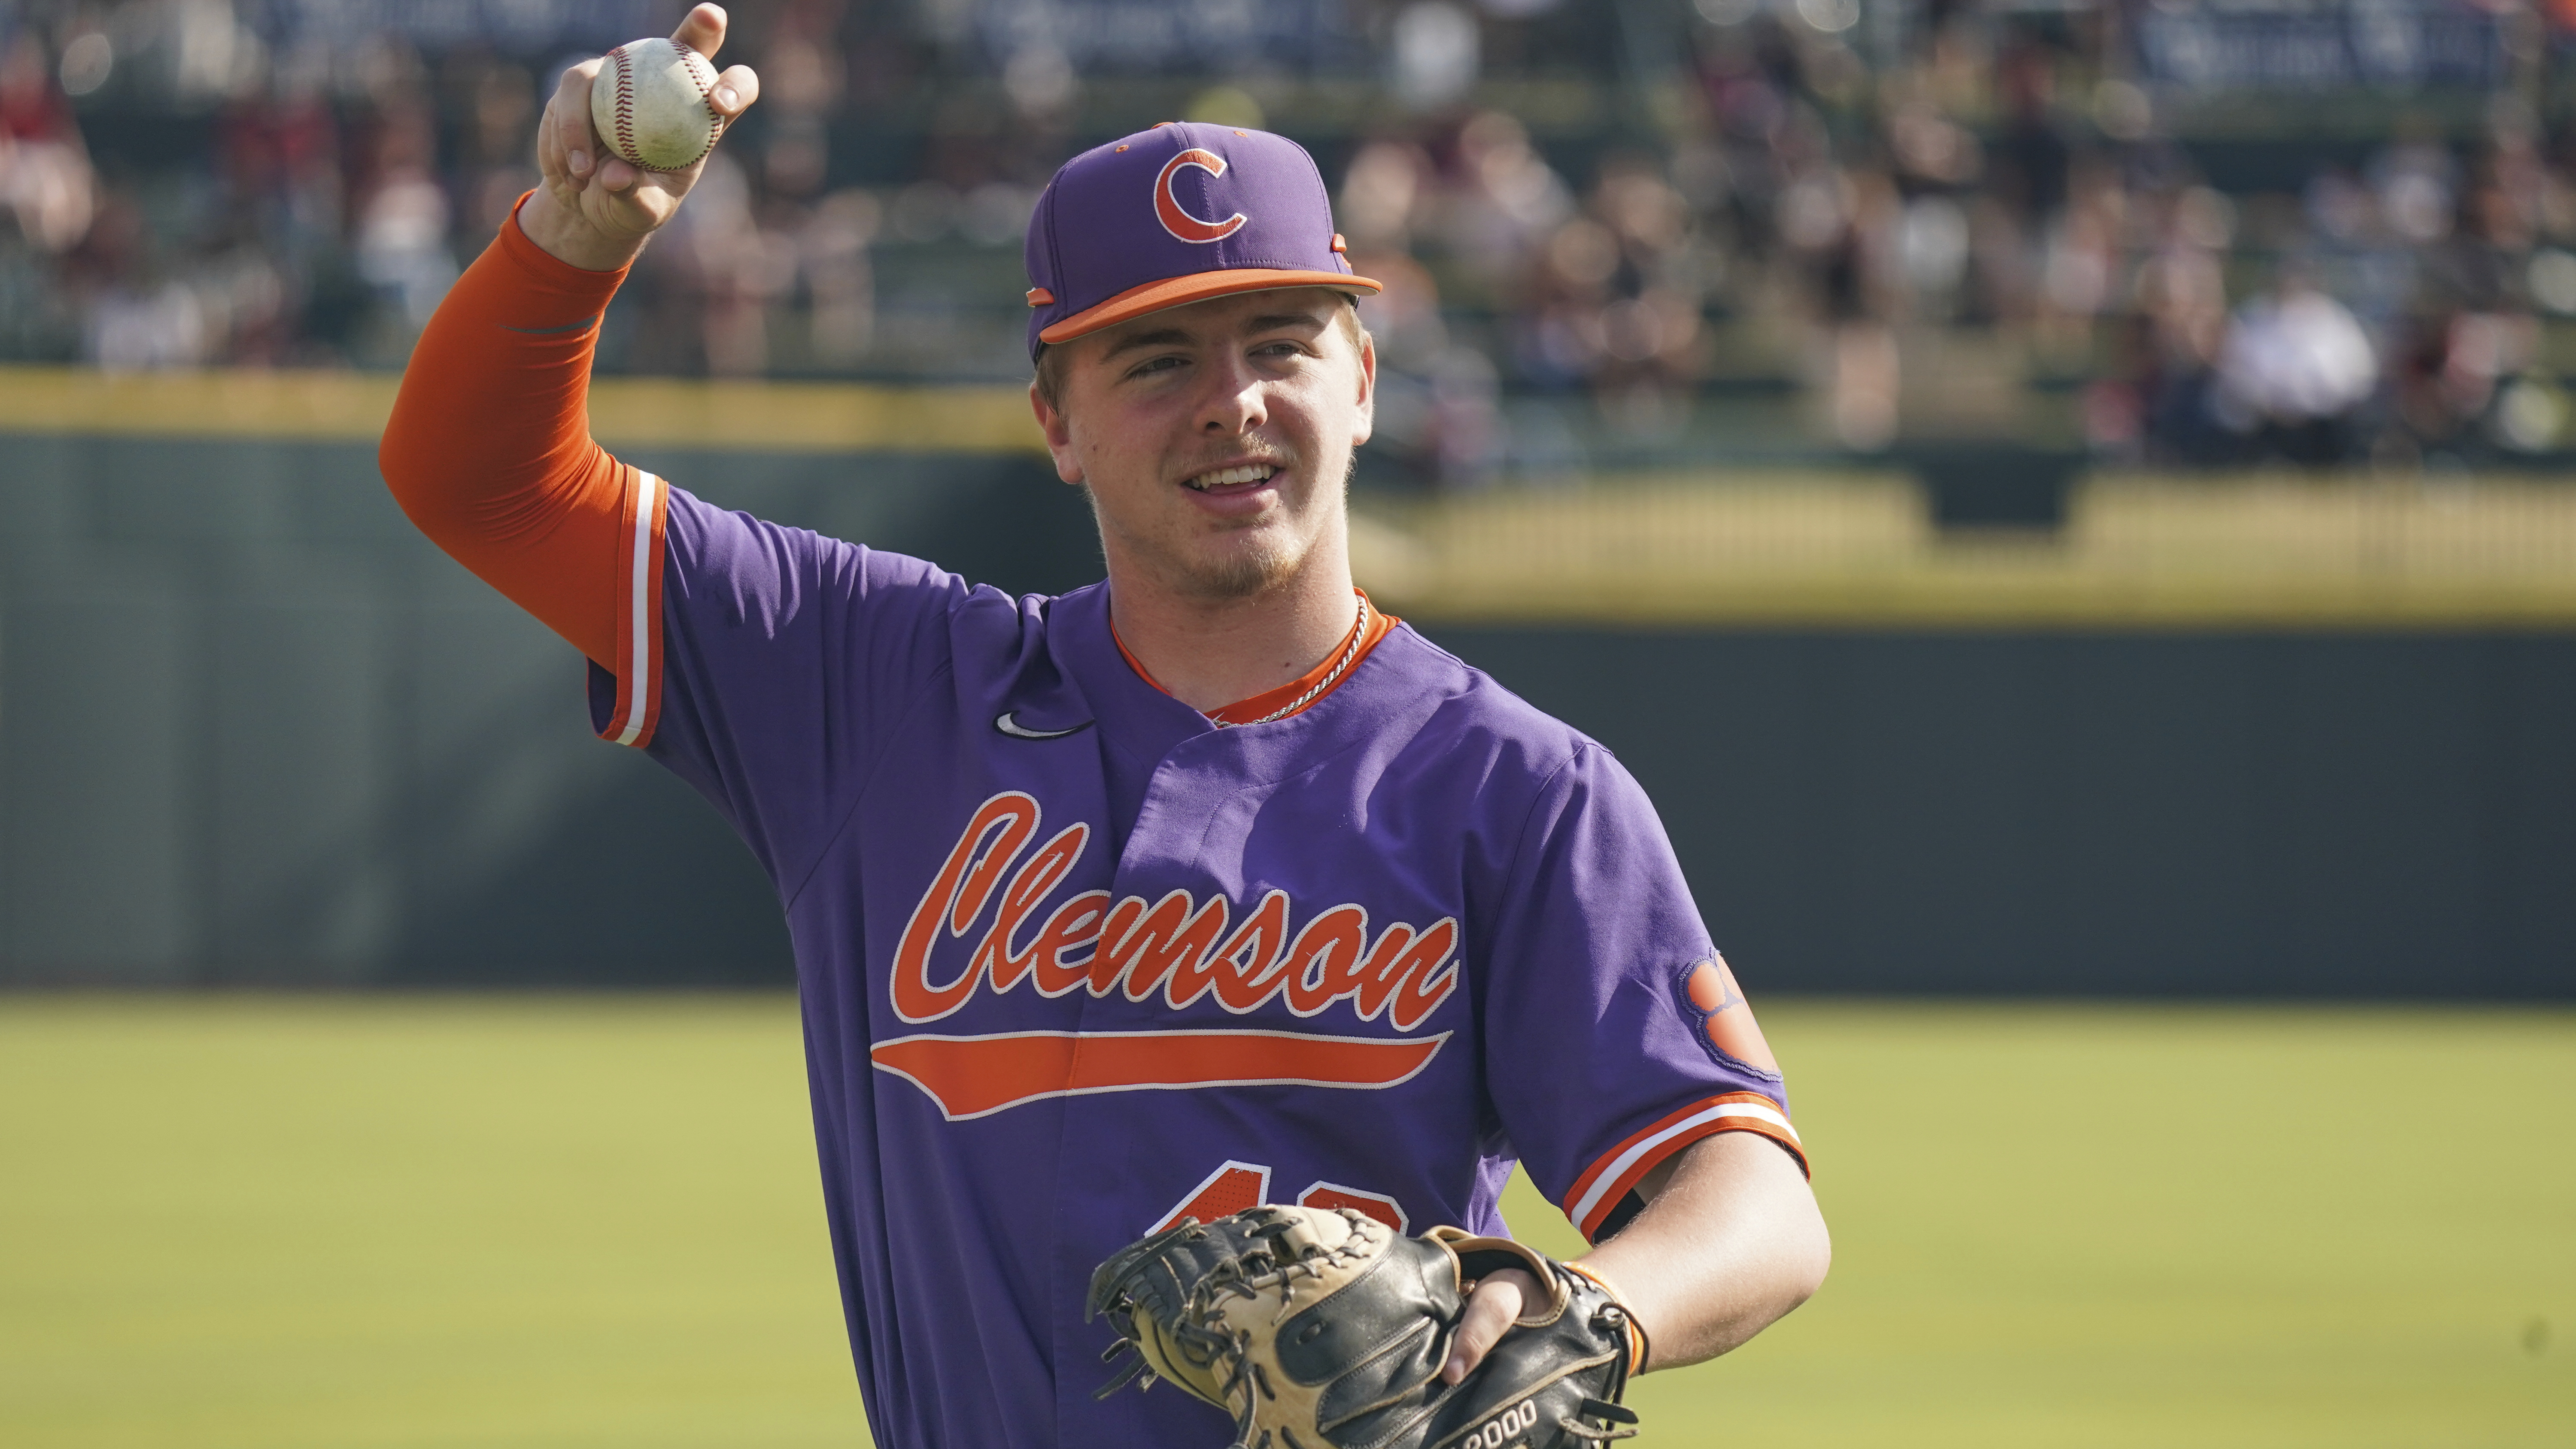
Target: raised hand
{"points": [[592, 209]]}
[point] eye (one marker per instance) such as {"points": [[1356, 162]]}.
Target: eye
{"points": [[1152, 365]]}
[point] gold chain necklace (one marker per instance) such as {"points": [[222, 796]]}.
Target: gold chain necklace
{"points": [[1359, 632]]}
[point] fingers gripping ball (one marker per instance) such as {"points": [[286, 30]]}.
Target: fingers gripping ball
{"points": [[651, 104], [1325, 1330]]}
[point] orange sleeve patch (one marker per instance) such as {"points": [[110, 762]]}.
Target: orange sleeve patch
{"points": [[1725, 1018]]}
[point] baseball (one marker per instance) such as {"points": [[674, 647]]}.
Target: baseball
{"points": [[650, 106]]}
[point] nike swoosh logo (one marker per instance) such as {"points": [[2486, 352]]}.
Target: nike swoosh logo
{"points": [[1018, 731]]}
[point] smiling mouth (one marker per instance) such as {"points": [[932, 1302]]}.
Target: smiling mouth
{"points": [[1221, 478]]}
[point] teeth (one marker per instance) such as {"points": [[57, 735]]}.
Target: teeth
{"points": [[1250, 473]]}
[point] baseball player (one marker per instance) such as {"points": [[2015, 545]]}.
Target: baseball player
{"points": [[1204, 886]]}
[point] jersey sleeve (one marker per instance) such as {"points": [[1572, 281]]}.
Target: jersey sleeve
{"points": [[1613, 1032], [760, 663], [768, 665]]}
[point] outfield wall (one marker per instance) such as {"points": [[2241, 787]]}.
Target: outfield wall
{"points": [[253, 730], [2298, 814]]}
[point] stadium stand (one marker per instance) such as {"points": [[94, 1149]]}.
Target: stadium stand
{"points": [[1637, 234]]}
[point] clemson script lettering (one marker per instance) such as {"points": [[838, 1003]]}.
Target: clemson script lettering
{"points": [[1180, 946]]}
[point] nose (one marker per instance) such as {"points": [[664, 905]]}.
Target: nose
{"points": [[1235, 403]]}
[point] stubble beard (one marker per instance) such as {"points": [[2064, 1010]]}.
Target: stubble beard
{"points": [[1262, 563], [1242, 571]]}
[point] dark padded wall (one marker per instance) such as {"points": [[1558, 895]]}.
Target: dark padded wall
{"points": [[254, 730], [2201, 814]]}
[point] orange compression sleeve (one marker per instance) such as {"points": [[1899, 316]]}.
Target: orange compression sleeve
{"points": [[489, 449]]}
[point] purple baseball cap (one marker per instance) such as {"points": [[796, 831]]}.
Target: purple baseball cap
{"points": [[1173, 215]]}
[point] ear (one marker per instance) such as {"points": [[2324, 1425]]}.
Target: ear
{"points": [[1366, 422], [1059, 436]]}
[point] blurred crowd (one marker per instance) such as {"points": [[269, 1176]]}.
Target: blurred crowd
{"points": [[1994, 199], [1857, 217]]}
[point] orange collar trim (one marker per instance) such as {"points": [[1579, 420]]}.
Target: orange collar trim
{"points": [[1249, 711]]}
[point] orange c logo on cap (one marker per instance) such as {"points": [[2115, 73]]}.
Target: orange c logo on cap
{"points": [[1167, 207]]}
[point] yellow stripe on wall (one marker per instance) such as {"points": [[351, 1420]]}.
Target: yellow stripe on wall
{"points": [[1730, 548], [319, 406], [1704, 548]]}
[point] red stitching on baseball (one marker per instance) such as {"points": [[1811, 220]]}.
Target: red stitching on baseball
{"points": [[626, 109], [715, 118]]}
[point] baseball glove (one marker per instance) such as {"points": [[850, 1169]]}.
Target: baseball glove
{"points": [[1327, 1330]]}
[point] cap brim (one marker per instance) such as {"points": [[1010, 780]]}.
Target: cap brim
{"points": [[1196, 287]]}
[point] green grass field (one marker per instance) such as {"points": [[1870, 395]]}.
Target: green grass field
{"points": [[269, 1223]]}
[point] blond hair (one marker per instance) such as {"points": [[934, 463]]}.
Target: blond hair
{"points": [[1050, 360]]}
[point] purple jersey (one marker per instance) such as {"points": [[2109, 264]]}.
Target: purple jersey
{"points": [[1073, 960]]}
